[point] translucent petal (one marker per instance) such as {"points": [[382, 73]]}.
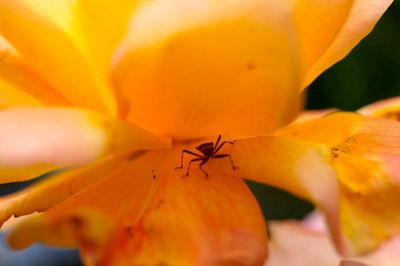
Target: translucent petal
{"points": [[70, 44]]}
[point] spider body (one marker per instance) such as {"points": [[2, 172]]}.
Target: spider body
{"points": [[209, 151], [206, 149]]}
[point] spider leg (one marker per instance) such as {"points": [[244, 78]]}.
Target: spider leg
{"points": [[218, 156], [190, 163], [217, 142], [222, 144], [189, 152], [200, 166]]}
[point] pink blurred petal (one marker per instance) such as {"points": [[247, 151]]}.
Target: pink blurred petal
{"points": [[313, 114], [36, 140], [305, 243], [388, 108], [55, 136]]}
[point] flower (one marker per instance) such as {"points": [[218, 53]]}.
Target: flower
{"points": [[115, 111]]}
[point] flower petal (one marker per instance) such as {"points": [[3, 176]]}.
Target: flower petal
{"points": [[328, 30], [369, 176], [389, 109], [39, 140], [352, 263], [19, 85], [214, 68], [294, 244], [333, 129], [52, 190], [299, 167], [313, 114], [80, 225], [216, 219], [113, 199], [14, 221], [366, 156], [308, 246], [83, 34], [267, 159]]}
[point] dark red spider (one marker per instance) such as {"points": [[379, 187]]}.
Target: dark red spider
{"points": [[209, 151]]}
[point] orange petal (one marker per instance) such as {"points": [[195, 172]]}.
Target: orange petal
{"points": [[84, 218], [328, 30], [52, 190], [113, 199], [83, 34], [389, 109], [35, 141], [215, 220], [82, 226], [19, 85], [299, 244], [124, 191], [366, 156], [299, 167], [212, 68]]}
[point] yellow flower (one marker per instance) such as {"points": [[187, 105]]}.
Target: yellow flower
{"points": [[115, 111]]}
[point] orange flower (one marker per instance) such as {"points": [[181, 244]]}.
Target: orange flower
{"points": [[115, 112]]}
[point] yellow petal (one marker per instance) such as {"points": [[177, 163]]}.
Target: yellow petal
{"points": [[223, 67], [70, 43], [268, 159], [369, 170], [326, 31], [333, 128], [19, 85], [22, 173], [39, 140], [52, 190], [388, 108], [366, 156]]}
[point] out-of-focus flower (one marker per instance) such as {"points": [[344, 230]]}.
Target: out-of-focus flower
{"points": [[310, 245], [186, 72], [389, 109]]}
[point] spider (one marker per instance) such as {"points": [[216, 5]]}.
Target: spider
{"points": [[209, 151]]}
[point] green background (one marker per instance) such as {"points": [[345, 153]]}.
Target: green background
{"points": [[369, 73]]}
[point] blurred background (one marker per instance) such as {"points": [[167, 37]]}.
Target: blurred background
{"points": [[371, 72]]}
